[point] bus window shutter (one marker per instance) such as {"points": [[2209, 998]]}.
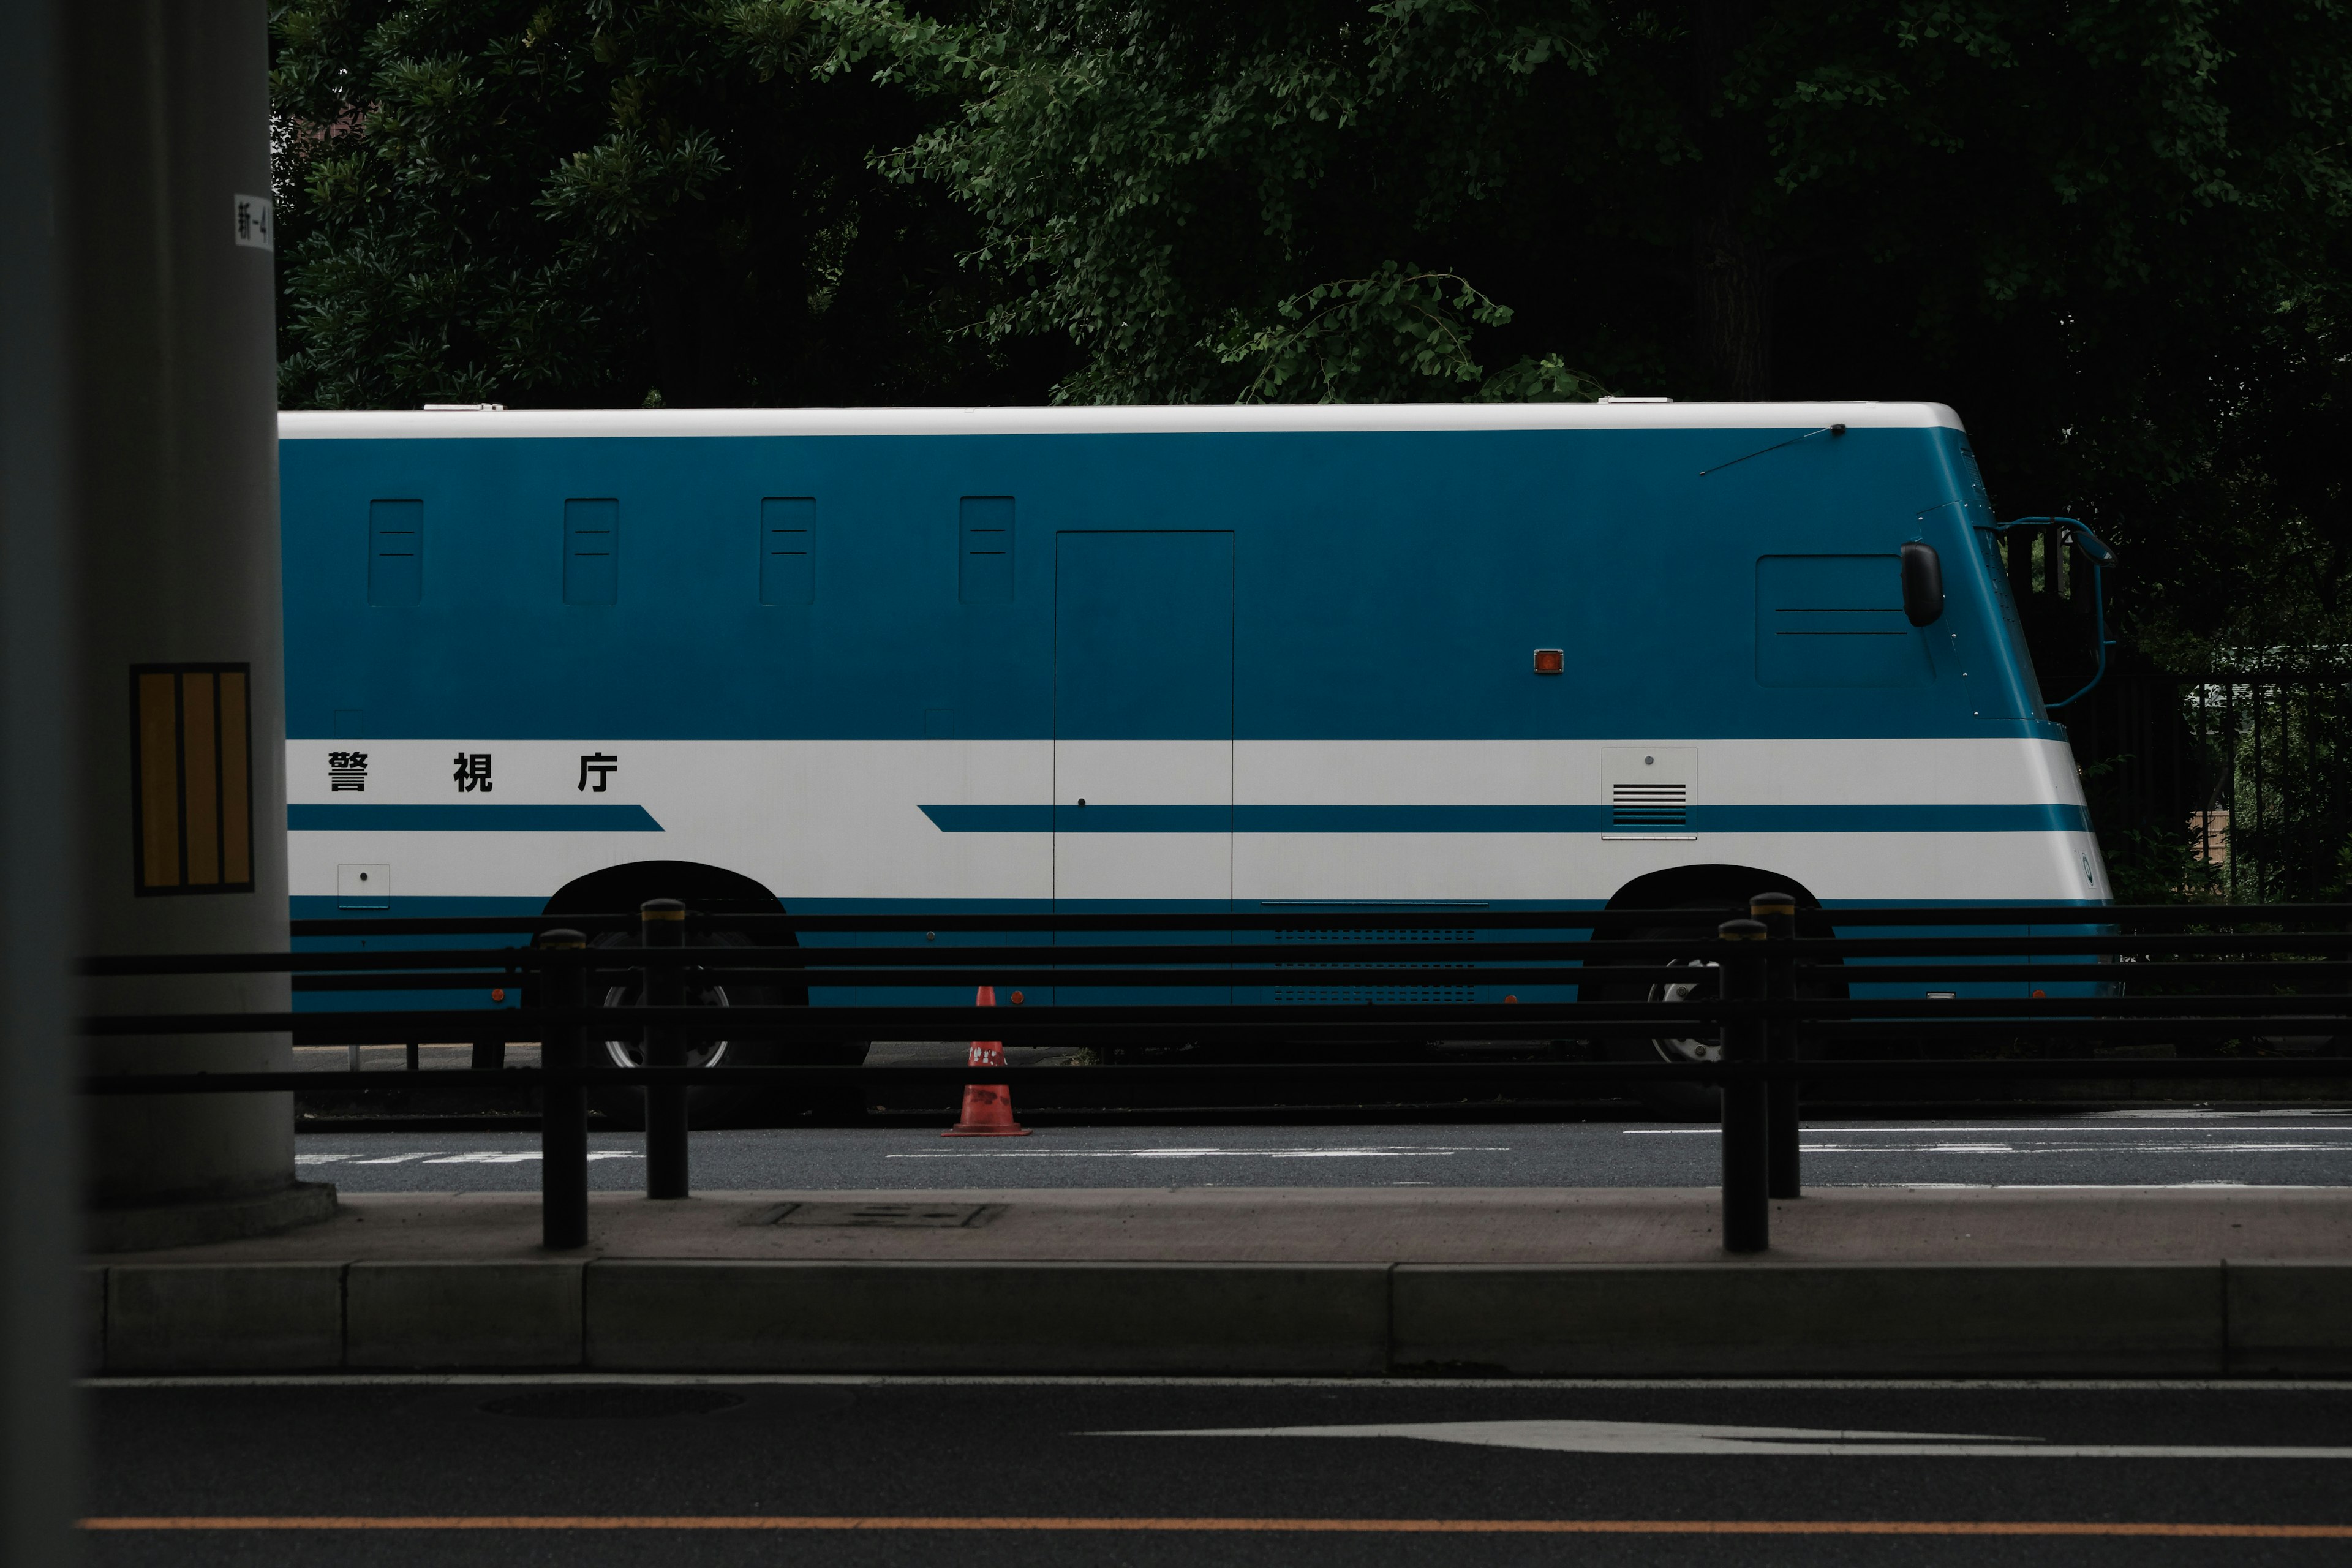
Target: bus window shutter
{"points": [[788, 549], [985, 537], [591, 551]]}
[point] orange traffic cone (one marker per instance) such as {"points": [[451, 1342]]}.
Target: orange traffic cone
{"points": [[987, 1106]]}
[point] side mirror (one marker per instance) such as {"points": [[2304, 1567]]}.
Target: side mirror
{"points": [[2093, 547], [1923, 584]]}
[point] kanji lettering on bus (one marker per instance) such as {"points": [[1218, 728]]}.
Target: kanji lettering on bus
{"points": [[346, 771], [602, 764], [473, 772]]}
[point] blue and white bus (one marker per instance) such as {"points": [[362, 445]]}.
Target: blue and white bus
{"points": [[1631, 654]]}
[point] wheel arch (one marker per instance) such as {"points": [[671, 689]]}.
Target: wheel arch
{"points": [[619, 889], [709, 891], [1685, 885]]}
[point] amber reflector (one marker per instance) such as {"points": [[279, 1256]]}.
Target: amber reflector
{"points": [[1550, 661]]}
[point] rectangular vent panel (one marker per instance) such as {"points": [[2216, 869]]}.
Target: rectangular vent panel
{"points": [[788, 549], [1376, 995], [396, 553], [1658, 808], [591, 551], [984, 526], [1836, 620]]}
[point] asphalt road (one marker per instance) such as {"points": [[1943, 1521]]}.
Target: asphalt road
{"points": [[2112, 1149], [1045, 1472]]}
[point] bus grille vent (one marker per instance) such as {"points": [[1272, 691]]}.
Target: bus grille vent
{"points": [[1655, 807], [1359, 995], [1375, 995]]}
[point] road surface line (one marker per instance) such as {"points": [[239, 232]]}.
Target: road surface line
{"points": [[1688, 1438], [1216, 1525], [1066, 1380], [2138, 1130]]}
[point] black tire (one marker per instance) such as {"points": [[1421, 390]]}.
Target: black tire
{"points": [[1675, 1101], [1693, 921], [709, 1105]]}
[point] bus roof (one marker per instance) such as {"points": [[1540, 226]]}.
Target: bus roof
{"points": [[1129, 420]]}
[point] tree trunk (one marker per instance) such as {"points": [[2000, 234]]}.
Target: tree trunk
{"points": [[1731, 273], [1732, 312], [689, 296]]}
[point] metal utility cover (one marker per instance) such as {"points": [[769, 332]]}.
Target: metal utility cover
{"points": [[890, 1216]]}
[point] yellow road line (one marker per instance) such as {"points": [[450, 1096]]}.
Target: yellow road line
{"points": [[1211, 1525]]}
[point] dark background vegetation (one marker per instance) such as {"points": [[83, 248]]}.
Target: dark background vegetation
{"points": [[2111, 233]]}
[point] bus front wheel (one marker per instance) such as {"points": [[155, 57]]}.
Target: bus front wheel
{"points": [[622, 1107]]}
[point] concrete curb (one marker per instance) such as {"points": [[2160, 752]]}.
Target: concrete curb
{"points": [[655, 1315], [1924, 1319], [445, 1315], [1761, 1319], [241, 1317], [2290, 1317], [212, 1219]]}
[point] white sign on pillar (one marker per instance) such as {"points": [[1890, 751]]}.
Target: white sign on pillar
{"points": [[253, 220]]}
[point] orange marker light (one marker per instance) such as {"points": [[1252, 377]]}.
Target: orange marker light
{"points": [[1550, 661], [1016, 998], [500, 994], [1510, 998]]}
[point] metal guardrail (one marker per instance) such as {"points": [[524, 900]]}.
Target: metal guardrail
{"points": [[1780, 988]]}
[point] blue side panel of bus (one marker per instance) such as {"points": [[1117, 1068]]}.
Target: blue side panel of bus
{"points": [[1382, 582], [1386, 585]]}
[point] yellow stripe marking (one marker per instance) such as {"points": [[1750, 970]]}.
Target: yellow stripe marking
{"points": [[1225, 1526], [159, 780], [237, 779], [200, 775]]}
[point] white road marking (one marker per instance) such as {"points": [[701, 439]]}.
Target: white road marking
{"points": [[2089, 1187], [2074, 1149], [472, 1157], [1399, 1151], [2207, 1115], [2136, 1131], [1677, 1437]]}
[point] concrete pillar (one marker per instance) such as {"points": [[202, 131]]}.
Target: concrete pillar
{"points": [[180, 685], [39, 1448]]}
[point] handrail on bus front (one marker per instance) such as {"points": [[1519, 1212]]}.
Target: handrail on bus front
{"points": [[2101, 556]]}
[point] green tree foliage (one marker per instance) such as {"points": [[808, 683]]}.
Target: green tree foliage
{"points": [[559, 202], [1718, 198], [1401, 335], [2111, 232]]}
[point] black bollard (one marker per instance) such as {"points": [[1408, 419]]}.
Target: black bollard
{"points": [[1778, 911], [563, 1103], [662, 923], [1747, 1206]]}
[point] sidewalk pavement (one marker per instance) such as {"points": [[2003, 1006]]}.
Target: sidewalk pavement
{"points": [[1503, 1281]]}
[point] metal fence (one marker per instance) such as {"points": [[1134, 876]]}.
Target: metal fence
{"points": [[2234, 784], [1771, 1001], [2233, 788]]}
